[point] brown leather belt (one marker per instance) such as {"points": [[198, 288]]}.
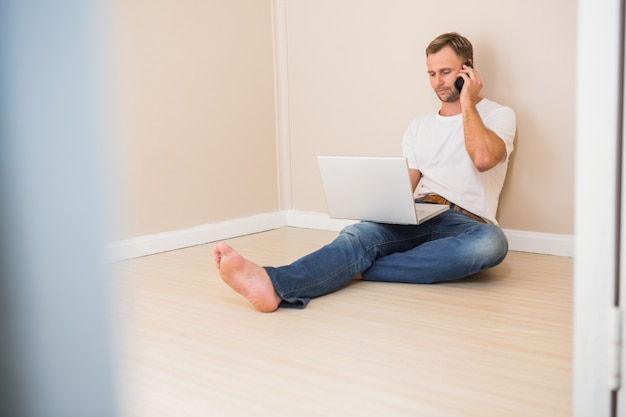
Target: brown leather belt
{"points": [[437, 199]]}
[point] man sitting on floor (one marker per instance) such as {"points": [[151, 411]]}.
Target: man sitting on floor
{"points": [[457, 154]]}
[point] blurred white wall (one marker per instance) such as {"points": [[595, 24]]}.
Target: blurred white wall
{"points": [[56, 354]]}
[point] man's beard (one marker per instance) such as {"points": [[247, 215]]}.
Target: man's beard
{"points": [[452, 97]]}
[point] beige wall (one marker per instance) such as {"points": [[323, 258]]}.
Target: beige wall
{"points": [[198, 92], [197, 98], [357, 76]]}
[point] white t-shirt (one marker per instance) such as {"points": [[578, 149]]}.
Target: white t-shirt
{"points": [[435, 145]]}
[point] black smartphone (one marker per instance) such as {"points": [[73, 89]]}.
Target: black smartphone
{"points": [[460, 81]]}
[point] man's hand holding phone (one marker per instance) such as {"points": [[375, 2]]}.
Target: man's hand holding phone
{"points": [[469, 83], [460, 81]]}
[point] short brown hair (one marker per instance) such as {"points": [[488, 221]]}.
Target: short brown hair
{"points": [[459, 44]]}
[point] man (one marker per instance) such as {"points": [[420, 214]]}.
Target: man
{"points": [[458, 156]]}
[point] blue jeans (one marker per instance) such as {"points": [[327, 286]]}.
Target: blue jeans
{"points": [[448, 247]]}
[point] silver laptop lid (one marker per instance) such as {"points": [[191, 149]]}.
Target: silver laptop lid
{"points": [[368, 188]]}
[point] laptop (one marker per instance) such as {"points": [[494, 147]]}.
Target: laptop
{"points": [[376, 189]]}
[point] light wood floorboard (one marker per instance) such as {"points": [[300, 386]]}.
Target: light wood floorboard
{"points": [[496, 344]]}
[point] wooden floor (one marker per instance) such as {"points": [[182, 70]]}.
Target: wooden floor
{"points": [[497, 344]]}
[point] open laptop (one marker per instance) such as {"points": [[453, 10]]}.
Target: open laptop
{"points": [[377, 189]]}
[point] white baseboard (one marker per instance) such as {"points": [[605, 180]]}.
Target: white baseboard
{"points": [[167, 241], [544, 243], [310, 220], [519, 240]]}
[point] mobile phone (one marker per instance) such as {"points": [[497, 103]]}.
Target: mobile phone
{"points": [[460, 81]]}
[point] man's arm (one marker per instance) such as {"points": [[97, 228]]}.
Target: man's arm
{"points": [[485, 148], [415, 176]]}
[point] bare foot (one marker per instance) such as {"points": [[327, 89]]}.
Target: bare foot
{"points": [[245, 277]]}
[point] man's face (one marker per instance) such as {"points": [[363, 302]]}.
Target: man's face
{"points": [[443, 69]]}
